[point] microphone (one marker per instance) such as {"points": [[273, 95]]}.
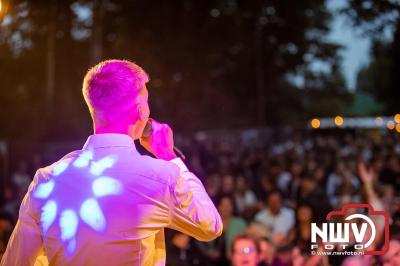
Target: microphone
{"points": [[147, 133]]}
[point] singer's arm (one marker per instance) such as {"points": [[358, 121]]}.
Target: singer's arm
{"points": [[192, 211], [25, 243]]}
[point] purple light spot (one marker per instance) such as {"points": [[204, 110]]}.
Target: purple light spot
{"points": [[49, 212], [43, 190], [59, 168], [68, 224], [92, 215], [104, 186]]}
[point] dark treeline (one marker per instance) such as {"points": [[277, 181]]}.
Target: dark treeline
{"points": [[212, 64]]}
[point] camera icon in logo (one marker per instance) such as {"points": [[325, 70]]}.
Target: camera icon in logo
{"points": [[358, 231]]}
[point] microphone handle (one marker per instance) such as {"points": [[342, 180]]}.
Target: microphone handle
{"points": [[147, 133]]}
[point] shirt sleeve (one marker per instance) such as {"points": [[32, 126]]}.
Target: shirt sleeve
{"points": [[25, 243], [192, 211]]}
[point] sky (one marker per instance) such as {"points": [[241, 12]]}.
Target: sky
{"points": [[356, 47]]}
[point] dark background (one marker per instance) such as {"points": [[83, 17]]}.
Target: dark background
{"points": [[212, 64]]}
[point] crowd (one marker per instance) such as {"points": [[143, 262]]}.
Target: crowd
{"points": [[269, 190]]}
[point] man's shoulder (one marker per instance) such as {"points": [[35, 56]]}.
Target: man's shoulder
{"points": [[286, 211], [58, 166], [161, 167], [262, 214]]}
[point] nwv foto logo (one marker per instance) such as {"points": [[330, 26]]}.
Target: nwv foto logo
{"points": [[355, 230]]}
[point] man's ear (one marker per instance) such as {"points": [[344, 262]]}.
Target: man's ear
{"points": [[140, 114]]}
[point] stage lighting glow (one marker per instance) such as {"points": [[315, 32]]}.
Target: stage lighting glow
{"points": [[397, 118], [43, 190], [68, 224], [104, 186], [49, 212], [339, 121], [90, 211], [398, 128], [390, 125], [71, 246], [59, 168], [83, 159], [315, 123], [98, 167], [92, 215]]}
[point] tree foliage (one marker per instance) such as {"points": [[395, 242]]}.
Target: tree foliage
{"points": [[380, 77], [209, 61]]}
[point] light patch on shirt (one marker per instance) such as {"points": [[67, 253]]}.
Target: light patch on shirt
{"points": [[90, 212], [104, 186], [98, 167], [43, 190], [59, 168], [83, 159], [49, 212], [68, 224]]}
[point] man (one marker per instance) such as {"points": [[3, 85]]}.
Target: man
{"points": [[277, 218], [245, 251], [106, 204], [182, 250]]}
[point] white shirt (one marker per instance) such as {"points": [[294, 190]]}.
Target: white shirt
{"points": [[280, 223], [108, 205], [245, 200]]}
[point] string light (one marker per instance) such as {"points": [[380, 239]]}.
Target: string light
{"points": [[315, 123]]}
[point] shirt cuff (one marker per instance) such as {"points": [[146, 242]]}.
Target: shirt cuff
{"points": [[178, 161]]}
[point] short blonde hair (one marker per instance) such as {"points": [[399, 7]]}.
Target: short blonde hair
{"points": [[110, 88]]}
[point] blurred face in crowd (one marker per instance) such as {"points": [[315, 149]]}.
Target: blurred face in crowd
{"points": [[340, 168], [392, 257], [304, 214], [393, 163], [274, 202], [213, 184], [266, 251], [5, 225], [245, 253], [319, 174], [308, 185], [241, 185], [377, 165], [181, 241], [296, 168], [225, 207], [228, 184]]}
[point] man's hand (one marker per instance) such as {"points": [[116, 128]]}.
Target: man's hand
{"points": [[367, 176], [161, 141]]}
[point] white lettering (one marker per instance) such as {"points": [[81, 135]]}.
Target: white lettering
{"points": [[323, 234], [359, 234]]}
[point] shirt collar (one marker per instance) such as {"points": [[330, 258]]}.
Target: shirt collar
{"points": [[108, 140]]}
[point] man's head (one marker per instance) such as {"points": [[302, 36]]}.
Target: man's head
{"points": [[274, 202], [116, 94], [245, 251]]}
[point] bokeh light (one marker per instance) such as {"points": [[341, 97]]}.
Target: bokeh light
{"points": [[315, 123], [379, 121], [397, 118], [390, 125], [339, 121]]}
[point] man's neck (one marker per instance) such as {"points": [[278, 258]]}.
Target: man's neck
{"points": [[110, 130], [103, 129]]}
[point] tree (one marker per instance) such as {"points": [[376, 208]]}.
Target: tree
{"points": [[380, 78], [211, 63]]}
